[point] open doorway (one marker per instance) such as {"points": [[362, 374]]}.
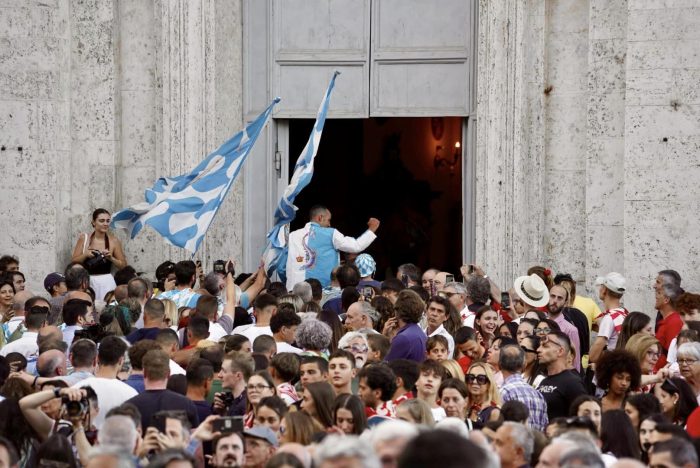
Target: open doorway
{"points": [[405, 171]]}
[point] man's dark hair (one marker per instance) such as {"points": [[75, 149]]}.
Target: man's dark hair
{"points": [[83, 353], [563, 338], [411, 271], [112, 348], [561, 277], [341, 353], [138, 350], [316, 288], [420, 290], [514, 410], [277, 289], [73, 310], [379, 342], [164, 269], [407, 370], [207, 306], [511, 358], [284, 318], [431, 366], [286, 366], [215, 356], [34, 300], [464, 334], [320, 362], [409, 307], [167, 336], [672, 429], [317, 210], [392, 284], [77, 277], [154, 309], [263, 344], [199, 327], [379, 376], [682, 451], [348, 275], [34, 318], [137, 288], [348, 297], [7, 260], [124, 275], [264, 300], [442, 448], [198, 372], [184, 271]]}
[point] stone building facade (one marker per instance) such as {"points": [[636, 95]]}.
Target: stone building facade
{"points": [[587, 128]]}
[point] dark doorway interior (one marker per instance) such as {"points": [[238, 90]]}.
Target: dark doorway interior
{"points": [[404, 171]]}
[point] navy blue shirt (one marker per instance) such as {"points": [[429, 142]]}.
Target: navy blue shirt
{"points": [[409, 343], [142, 334], [135, 381]]}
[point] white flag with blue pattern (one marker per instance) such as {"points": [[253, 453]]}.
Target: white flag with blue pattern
{"points": [[275, 255], [181, 208]]}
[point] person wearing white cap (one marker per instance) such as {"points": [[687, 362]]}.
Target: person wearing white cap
{"points": [[531, 291], [611, 287]]}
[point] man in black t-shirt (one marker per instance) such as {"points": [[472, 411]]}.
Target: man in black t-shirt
{"points": [[562, 385], [156, 370]]}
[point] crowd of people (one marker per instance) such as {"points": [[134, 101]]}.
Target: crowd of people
{"points": [[109, 368]]}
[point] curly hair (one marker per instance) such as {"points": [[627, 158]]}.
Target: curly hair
{"points": [[479, 289], [617, 361], [686, 302], [313, 335], [409, 306]]}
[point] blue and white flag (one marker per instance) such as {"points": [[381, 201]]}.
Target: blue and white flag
{"points": [[181, 208], [275, 255]]}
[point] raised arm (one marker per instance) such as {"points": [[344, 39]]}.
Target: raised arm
{"points": [[352, 245]]}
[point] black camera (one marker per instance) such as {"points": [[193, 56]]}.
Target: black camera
{"points": [[227, 398], [220, 267], [94, 332], [74, 409], [97, 260]]}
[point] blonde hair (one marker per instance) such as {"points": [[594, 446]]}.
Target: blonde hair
{"points": [[419, 411], [453, 368], [171, 312], [639, 344], [492, 395]]}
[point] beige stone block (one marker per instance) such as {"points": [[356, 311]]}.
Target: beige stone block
{"points": [[567, 15], [663, 54], [29, 84], [606, 115], [93, 104], [31, 53], [604, 251], [660, 4], [664, 24], [92, 10], [135, 180], [53, 121], [606, 61], [605, 181], [18, 123], [138, 45], [565, 132], [663, 87], [567, 62], [608, 20], [671, 183], [676, 151], [564, 210], [138, 132], [95, 152], [92, 44], [662, 121], [29, 217], [28, 169]]}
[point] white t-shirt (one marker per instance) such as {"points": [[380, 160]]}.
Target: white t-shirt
{"points": [[450, 341], [13, 323], [606, 328], [255, 331], [176, 369], [216, 332], [110, 393], [438, 413], [284, 347], [26, 346]]}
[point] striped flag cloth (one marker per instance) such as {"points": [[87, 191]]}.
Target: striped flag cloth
{"points": [[181, 208], [275, 256]]}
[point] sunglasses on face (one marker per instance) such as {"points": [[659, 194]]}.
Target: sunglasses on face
{"points": [[528, 350], [479, 379], [356, 349]]}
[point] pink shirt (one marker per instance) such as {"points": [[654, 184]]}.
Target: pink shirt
{"points": [[572, 332]]}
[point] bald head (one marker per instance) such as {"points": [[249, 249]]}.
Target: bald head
{"points": [[627, 463], [50, 332], [20, 301], [83, 296], [553, 452], [51, 363], [121, 292], [440, 280]]}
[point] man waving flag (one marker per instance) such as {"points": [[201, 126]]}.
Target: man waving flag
{"points": [[275, 256], [181, 208]]}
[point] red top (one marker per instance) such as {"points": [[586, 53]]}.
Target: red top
{"points": [[668, 329], [464, 362]]}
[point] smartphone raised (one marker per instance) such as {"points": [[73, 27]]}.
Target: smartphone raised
{"points": [[449, 278], [505, 300], [228, 424]]}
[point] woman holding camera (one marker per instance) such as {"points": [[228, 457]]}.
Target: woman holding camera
{"points": [[98, 252]]}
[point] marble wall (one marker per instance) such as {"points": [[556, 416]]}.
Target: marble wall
{"points": [[618, 106]]}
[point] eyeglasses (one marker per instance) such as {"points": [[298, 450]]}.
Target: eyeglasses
{"points": [[528, 350], [479, 379], [259, 387], [446, 294], [546, 339], [651, 353], [356, 348], [542, 331], [685, 361]]}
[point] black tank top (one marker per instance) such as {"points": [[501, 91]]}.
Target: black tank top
{"points": [[103, 268]]}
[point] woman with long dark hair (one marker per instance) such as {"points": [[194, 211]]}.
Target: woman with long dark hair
{"points": [[349, 414], [635, 322], [639, 406], [618, 435], [677, 399], [534, 372], [318, 402], [98, 252]]}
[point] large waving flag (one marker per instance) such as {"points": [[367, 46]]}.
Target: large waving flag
{"points": [[275, 255], [181, 208]]}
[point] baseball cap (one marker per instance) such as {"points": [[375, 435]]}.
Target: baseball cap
{"points": [[52, 279], [263, 433], [615, 282], [366, 264]]}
